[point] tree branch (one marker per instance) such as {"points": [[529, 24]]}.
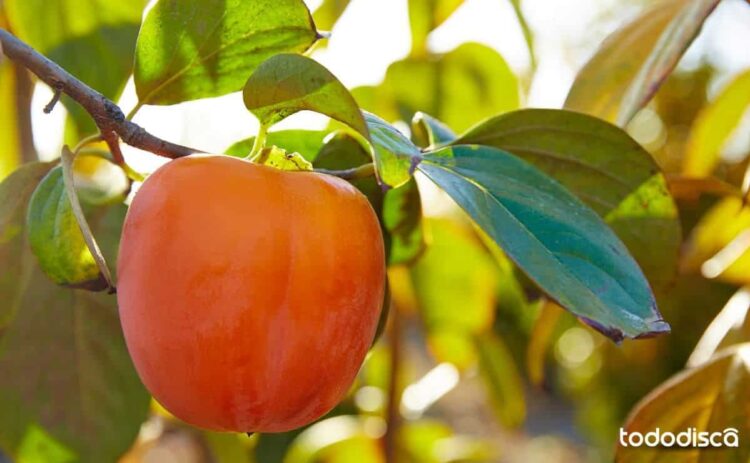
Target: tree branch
{"points": [[109, 118], [106, 114]]}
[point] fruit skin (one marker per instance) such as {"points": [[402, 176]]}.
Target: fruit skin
{"points": [[248, 296]]}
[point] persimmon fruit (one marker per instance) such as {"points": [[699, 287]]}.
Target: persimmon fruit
{"points": [[248, 295]]}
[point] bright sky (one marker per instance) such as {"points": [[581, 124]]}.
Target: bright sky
{"points": [[374, 33]]}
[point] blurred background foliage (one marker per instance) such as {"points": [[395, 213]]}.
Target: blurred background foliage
{"points": [[475, 365]]}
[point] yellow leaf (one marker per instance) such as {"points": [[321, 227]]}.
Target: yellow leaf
{"points": [[715, 125], [719, 246], [711, 398], [10, 154]]}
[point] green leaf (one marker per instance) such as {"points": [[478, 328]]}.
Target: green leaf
{"points": [[429, 132], [606, 169], [285, 84], [91, 39], [329, 12], [634, 61], [710, 398], [559, 242], [56, 238], [455, 284], [503, 380], [425, 16], [395, 155], [190, 49], [460, 88], [402, 217], [15, 192], [305, 142], [714, 125], [79, 393]]}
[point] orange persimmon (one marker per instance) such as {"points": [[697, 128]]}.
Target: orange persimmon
{"points": [[248, 295]]}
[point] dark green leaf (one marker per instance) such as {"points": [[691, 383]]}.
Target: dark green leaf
{"points": [[91, 39], [558, 241], [395, 155], [305, 142], [634, 61], [429, 132], [190, 49], [56, 239], [78, 394], [710, 398], [15, 192], [605, 168], [343, 151], [286, 84], [402, 217]]}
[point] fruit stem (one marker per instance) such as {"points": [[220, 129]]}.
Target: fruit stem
{"points": [[259, 144]]}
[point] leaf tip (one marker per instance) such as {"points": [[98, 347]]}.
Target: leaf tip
{"points": [[96, 285], [615, 334], [657, 328], [654, 328]]}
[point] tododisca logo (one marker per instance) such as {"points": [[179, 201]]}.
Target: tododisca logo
{"points": [[689, 438]]}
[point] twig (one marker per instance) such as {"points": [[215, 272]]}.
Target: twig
{"points": [[366, 170], [109, 118], [55, 98]]}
